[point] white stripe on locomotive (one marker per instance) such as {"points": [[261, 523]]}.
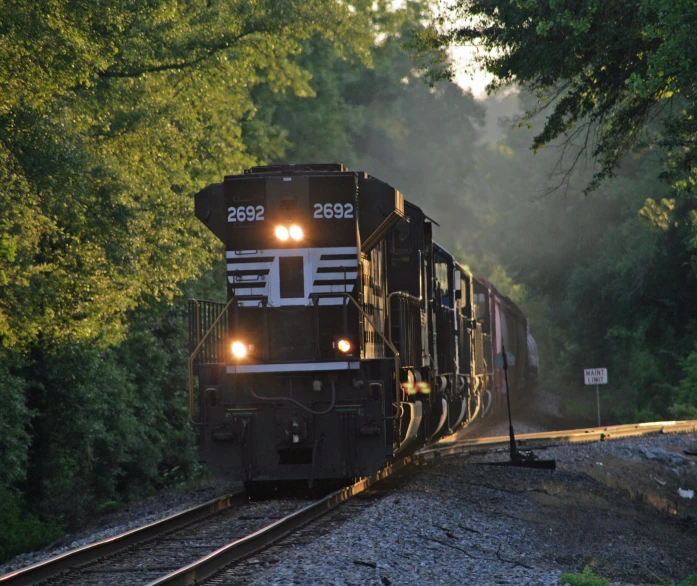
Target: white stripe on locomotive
{"points": [[340, 259]]}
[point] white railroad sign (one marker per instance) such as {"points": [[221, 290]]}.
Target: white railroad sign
{"points": [[595, 376]]}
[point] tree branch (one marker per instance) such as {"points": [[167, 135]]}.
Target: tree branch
{"points": [[139, 71]]}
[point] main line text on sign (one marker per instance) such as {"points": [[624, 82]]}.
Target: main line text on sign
{"points": [[595, 376]]}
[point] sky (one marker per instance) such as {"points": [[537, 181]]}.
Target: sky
{"points": [[468, 75]]}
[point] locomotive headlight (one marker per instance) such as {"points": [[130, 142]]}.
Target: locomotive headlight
{"points": [[239, 350], [296, 232], [282, 232], [343, 345]]}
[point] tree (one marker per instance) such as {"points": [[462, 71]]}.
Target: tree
{"points": [[604, 70], [616, 84], [111, 115], [384, 120], [604, 277]]}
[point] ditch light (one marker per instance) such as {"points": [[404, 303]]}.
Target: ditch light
{"points": [[343, 345], [239, 350]]}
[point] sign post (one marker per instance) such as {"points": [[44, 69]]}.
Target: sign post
{"points": [[596, 376]]}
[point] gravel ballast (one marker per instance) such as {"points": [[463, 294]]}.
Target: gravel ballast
{"points": [[618, 506], [460, 522]]}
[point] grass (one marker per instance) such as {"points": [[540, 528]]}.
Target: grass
{"points": [[590, 578], [689, 581], [585, 578], [615, 408]]}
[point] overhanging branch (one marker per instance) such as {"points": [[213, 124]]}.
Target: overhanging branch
{"points": [[222, 46]]}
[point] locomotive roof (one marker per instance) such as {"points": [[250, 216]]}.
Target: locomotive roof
{"points": [[298, 168]]}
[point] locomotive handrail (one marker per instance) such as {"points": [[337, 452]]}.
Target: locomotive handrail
{"points": [[193, 357], [407, 297], [370, 321], [198, 319], [201, 315], [403, 295]]}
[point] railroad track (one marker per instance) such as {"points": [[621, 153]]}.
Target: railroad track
{"points": [[117, 561], [158, 548], [451, 445], [113, 546]]}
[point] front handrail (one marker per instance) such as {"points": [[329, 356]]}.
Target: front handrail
{"points": [[390, 345], [193, 357], [198, 319]]}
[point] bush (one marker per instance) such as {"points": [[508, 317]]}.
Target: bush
{"points": [[84, 429], [21, 532], [685, 404], [109, 424], [14, 422], [155, 359]]}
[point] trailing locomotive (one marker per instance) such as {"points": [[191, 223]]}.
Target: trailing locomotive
{"points": [[349, 336]]}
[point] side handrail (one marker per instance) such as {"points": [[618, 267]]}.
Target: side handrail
{"points": [[407, 297], [402, 295], [390, 345], [193, 357]]}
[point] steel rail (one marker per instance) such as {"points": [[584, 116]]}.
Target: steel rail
{"points": [[591, 434], [218, 560], [89, 553], [229, 554], [241, 548]]}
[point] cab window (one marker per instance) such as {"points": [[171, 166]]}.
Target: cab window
{"points": [[442, 277], [402, 237]]}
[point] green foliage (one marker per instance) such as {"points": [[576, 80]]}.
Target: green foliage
{"points": [[154, 356], [589, 578], [122, 112], [685, 403], [605, 281], [87, 427], [21, 532], [603, 71], [14, 426], [110, 424], [585, 578]]}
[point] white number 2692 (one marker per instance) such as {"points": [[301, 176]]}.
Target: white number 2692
{"points": [[245, 214], [333, 210]]}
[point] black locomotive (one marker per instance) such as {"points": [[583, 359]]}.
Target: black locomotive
{"points": [[349, 336]]}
